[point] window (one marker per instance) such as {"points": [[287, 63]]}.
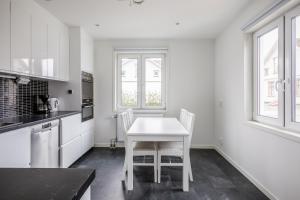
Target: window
{"points": [[268, 98], [276, 78], [292, 51], [141, 80], [271, 89]]}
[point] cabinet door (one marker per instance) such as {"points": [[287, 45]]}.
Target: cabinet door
{"points": [[70, 128], [64, 54], [53, 47], [87, 132], [21, 36], [15, 148], [70, 152], [5, 35], [39, 41], [87, 52]]}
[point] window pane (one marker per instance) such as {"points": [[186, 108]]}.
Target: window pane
{"points": [[129, 82], [268, 74], [153, 79], [296, 61]]}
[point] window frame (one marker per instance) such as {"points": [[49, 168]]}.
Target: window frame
{"points": [[277, 23], [119, 79], [141, 55], [289, 69], [163, 81]]}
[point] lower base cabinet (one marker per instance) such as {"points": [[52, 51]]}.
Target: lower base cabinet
{"points": [[70, 152], [72, 148], [87, 132], [15, 148]]}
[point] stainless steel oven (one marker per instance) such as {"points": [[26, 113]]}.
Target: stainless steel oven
{"points": [[87, 91], [87, 112]]}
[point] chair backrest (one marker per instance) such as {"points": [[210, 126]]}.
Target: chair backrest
{"points": [[183, 116], [125, 120], [187, 119], [131, 116]]}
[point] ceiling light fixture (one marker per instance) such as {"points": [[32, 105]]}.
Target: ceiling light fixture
{"points": [[138, 2], [134, 2]]}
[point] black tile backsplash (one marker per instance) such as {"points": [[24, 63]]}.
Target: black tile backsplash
{"points": [[15, 99]]}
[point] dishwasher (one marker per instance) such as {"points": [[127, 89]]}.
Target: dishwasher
{"points": [[45, 145]]}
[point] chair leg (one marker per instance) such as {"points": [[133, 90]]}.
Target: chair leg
{"points": [[158, 167], [190, 171], [155, 166], [124, 170]]}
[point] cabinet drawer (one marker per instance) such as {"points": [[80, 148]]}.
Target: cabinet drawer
{"points": [[70, 128], [70, 152], [87, 125]]}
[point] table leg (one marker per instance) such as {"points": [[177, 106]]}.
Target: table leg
{"points": [[185, 179], [129, 154]]}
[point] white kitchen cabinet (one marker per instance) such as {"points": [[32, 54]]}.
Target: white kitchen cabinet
{"points": [[5, 35], [71, 140], [70, 128], [87, 132], [86, 51], [64, 53], [70, 152], [33, 42], [39, 41], [53, 47], [21, 36], [15, 148]]}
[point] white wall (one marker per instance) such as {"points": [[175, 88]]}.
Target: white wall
{"points": [[190, 84], [272, 161]]}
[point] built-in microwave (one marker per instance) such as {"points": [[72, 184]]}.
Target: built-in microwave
{"points": [[87, 91]]}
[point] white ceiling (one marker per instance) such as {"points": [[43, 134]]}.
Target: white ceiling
{"points": [[152, 19]]}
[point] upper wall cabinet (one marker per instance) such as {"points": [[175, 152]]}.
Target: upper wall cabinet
{"points": [[32, 41], [21, 36], [87, 52], [53, 47], [63, 70], [5, 35], [39, 42]]}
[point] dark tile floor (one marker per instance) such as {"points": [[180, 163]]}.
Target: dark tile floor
{"points": [[214, 179]]}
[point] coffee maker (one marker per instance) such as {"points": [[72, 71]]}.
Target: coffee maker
{"points": [[41, 104]]}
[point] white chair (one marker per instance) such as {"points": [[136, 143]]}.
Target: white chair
{"points": [[140, 148], [175, 149], [131, 116]]}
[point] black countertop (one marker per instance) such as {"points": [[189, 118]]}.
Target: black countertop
{"points": [[29, 120], [44, 184]]}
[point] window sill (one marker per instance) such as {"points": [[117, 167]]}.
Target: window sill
{"points": [[287, 134], [143, 111], [149, 111]]}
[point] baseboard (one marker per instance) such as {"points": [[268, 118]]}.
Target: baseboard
{"points": [[105, 145], [247, 175], [202, 146]]}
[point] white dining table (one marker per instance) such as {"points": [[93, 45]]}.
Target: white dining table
{"points": [[157, 129]]}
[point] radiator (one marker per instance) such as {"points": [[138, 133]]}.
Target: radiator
{"points": [[120, 134]]}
